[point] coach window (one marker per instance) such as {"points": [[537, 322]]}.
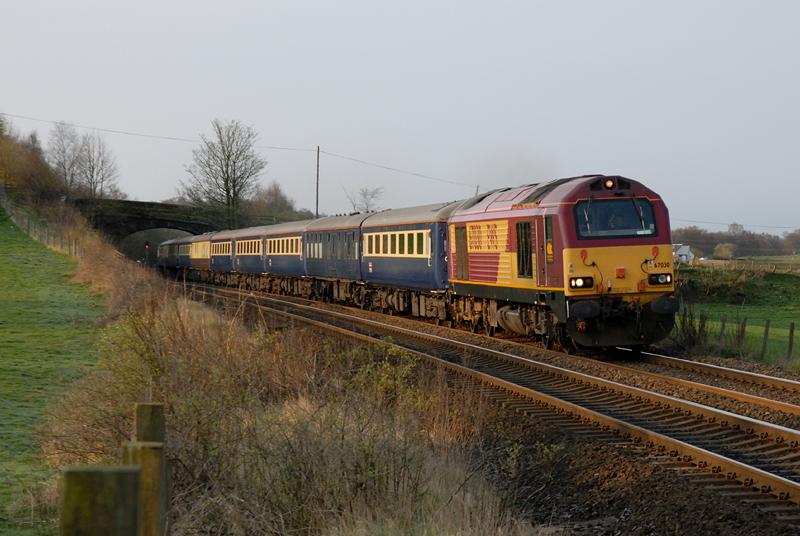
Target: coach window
{"points": [[410, 243], [420, 245], [401, 247], [393, 240], [385, 240]]}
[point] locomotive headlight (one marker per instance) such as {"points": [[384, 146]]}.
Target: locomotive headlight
{"points": [[609, 184], [580, 282], [660, 279]]}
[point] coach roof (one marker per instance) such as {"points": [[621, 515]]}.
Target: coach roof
{"points": [[407, 216]]}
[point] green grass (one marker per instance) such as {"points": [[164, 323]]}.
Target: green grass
{"points": [[737, 293], [773, 262], [47, 336]]}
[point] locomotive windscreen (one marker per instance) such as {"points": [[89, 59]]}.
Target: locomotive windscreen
{"points": [[614, 218]]}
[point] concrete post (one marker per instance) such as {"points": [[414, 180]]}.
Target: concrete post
{"points": [[98, 500], [149, 456], [149, 424]]}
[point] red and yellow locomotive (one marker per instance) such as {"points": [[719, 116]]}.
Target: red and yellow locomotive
{"points": [[584, 260]]}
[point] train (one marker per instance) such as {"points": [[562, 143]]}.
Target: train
{"points": [[577, 262]]}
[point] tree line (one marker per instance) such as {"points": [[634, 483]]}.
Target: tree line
{"points": [[71, 166], [736, 242], [223, 176]]}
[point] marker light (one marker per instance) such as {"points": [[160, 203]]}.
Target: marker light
{"points": [[609, 184]]}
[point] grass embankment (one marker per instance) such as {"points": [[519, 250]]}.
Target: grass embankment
{"points": [[47, 340], [735, 294]]}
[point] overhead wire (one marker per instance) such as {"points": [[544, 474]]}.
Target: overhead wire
{"points": [[737, 223], [269, 147], [398, 170]]}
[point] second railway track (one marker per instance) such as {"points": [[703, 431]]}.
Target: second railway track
{"points": [[754, 460]]}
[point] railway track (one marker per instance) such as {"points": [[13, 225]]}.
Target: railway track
{"points": [[754, 461], [774, 383]]}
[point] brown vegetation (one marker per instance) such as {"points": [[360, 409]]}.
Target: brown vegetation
{"points": [[736, 242], [269, 432], [276, 432]]}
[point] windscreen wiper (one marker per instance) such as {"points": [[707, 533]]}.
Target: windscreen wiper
{"points": [[586, 216], [639, 211]]}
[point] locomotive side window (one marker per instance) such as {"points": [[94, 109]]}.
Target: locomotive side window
{"points": [[606, 218]]}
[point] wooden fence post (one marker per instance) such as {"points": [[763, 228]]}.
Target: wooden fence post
{"points": [[701, 329], [100, 500], [742, 330], [791, 341], [149, 455], [149, 424], [766, 339]]}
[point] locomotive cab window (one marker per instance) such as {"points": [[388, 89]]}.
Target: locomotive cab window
{"points": [[605, 218]]}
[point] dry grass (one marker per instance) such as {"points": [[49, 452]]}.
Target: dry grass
{"points": [[270, 432], [287, 432]]}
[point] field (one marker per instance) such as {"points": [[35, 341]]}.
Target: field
{"points": [[47, 334], [735, 292]]}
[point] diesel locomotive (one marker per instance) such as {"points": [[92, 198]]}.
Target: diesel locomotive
{"points": [[580, 261]]}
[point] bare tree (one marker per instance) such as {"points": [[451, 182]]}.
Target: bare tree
{"points": [[366, 200], [224, 170], [97, 168], [64, 154]]}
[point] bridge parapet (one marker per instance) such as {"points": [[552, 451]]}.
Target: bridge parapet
{"points": [[119, 218]]}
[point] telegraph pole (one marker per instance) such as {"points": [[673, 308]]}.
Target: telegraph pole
{"points": [[316, 212]]}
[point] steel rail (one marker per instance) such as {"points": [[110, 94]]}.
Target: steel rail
{"points": [[756, 400], [750, 476], [725, 372]]}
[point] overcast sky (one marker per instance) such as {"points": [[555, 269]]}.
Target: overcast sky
{"points": [[697, 99]]}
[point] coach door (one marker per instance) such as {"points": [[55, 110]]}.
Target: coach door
{"points": [[462, 255]]}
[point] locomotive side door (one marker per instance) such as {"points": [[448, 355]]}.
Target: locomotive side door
{"points": [[539, 244], [462, 258]]}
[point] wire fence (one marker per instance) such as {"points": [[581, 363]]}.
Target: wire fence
{"points": [[64, 242], [736, 336]]}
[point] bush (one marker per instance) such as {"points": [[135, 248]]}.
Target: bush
{"points": [[277, 432]]}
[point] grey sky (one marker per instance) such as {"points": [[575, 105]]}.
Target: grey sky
{"points": [[698, 99]]}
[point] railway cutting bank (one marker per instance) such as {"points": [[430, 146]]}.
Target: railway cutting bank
{"points": [[47, 339]]}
